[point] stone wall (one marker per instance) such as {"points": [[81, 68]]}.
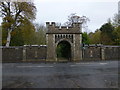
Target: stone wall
{"points": [[39, 53], [101, 52], [23, 54], [12, 54], [34, 53], [91, 53], [112, 52]]}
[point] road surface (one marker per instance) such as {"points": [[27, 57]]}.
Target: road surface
{"points": [[99, 74]]}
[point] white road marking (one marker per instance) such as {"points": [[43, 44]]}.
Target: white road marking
{"points": [[92, 63], [82, 63], [88, 64], [103, 63], [79, 65], [76, 64], [34, 66]]}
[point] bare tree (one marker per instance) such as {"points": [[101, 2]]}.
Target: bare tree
{"points": [[73, 18], [116, 20]]}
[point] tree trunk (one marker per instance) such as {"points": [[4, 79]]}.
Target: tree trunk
{"points": [[8, 38]]}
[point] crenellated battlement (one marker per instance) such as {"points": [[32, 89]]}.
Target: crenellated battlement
{"points": [[53, 28]]}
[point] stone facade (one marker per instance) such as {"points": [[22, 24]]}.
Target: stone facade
{"points": [[72, 35]]}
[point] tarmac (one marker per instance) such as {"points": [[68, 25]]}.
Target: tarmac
{"points": [[90, 74]]}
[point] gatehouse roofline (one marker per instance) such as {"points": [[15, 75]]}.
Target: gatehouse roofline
{"points": [[75, 28], [73, 24], [64, 33]]}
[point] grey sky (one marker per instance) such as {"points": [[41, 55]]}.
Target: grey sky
{"points": [[98, 12]]}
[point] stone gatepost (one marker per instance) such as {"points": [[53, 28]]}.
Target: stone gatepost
{"points": [[102, 53], [50, 47], [24, 53]]}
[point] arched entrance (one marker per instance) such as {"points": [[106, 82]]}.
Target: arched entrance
{"points": [[71, 37], [63, 51]]}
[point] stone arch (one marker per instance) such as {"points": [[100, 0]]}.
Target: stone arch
{"points": [[63, 39], [71, 48]]}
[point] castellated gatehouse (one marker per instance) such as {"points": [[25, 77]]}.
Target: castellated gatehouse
{"points": [[64, 43]]}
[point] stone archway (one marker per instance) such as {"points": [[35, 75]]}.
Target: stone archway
{"points": [[63, 51], [72, 35]]}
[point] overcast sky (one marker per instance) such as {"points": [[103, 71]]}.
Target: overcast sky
{"points": [[97, 11]]}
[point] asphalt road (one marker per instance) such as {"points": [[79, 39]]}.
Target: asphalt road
{"points": [[98, 74]]}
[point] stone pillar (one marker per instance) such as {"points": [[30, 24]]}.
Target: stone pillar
{"points": [[24, 53], [81, 47], [102, 53], [1, 54], [77, 47], [73, 47], [50, 38]]}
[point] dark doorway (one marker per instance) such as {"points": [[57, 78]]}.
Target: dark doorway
{"points": [[63, 51]]}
